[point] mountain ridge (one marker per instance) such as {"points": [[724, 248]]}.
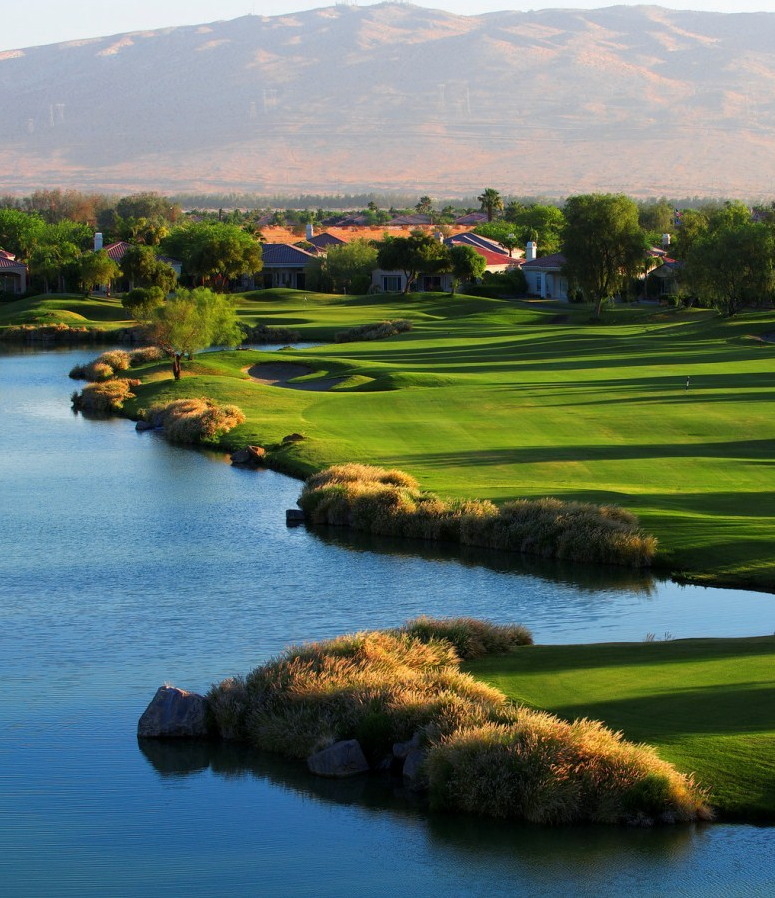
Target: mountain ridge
{"points": [[642, 100]]}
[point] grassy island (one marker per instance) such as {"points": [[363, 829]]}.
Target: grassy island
{"points": [[479, 752]]}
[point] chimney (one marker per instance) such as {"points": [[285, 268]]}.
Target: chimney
{"points": [[98, 241], [531, 251], [310, 231]]}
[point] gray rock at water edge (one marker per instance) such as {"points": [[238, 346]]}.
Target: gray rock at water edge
{"points": [[144, 425], [340, 760], [402, 749], [294, 516], [414, 774], [174, 713], [250, 456]]}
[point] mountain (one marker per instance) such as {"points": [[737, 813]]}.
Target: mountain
{"points": [[641, 100]]}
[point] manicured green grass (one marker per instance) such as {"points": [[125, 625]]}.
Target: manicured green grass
{"points": [[706, 705], [495, 399], [61, 308]]}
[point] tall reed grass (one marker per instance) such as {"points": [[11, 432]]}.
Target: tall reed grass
{"points": [[194, 420], [483, 755], [103, 367], [105, 397], [391, 503]]}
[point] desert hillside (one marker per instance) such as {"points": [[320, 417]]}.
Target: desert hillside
{"points": [[635, 99]]}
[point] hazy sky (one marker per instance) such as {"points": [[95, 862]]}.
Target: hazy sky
{"points": [[27, 23]]}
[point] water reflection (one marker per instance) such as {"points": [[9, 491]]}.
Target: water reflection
{"points": [[584, 577]]}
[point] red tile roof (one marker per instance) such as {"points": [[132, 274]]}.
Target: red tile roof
{"points": [[116, 250]]}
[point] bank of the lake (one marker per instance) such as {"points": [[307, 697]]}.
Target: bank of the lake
{"points": [[707, 705], [125, 562], [493, 399]]}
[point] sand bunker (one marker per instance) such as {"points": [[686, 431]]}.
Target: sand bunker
{"points": [[278, 374]]}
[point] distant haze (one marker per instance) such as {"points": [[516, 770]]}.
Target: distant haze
{"points": [[394, 97]]}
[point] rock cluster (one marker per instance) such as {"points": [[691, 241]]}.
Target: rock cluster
{"points": [[249, 457]]}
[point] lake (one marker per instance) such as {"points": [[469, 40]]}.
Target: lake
{"points": [[126, 562]]}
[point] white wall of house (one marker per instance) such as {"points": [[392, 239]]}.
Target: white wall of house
{"points": [[546, 283], [395, 282]]}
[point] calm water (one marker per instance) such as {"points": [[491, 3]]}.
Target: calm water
{"points": [[125, 562]]}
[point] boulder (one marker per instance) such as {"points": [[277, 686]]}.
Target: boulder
{"points": [[293, 438], [174, 713], [414, 775], [294, 516], [340, 760], [250, 456], [144, 425], [402, 749]]}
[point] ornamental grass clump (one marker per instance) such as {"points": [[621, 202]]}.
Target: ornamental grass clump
{"points": [[481, 754], [145, 354], [379, 687], [390, 503], [104, 398], [379, 330], [533, 766], [103, 367], [194, 420]]}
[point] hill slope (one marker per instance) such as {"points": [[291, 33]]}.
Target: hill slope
{"points": [[638, 99]]}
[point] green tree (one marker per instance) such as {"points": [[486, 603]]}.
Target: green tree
{"points": [[425, 206], [602, 243], [732, 266], [411, 255], [193, 320], [214, 252], [142, 268], [20, 231], [142, 302], [491, 202], [541, 223], [97, 268], [465, 264], [350, 266]]}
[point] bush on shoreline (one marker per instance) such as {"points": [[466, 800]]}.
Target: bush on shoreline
{"points": [[378, 330], [103, 367], [263, 333], [390, 503], [482, 754], [105, 397], [194, 420]]}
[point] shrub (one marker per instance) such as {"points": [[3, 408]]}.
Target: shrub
{"points": [[103, 367], [376, 331], [533, 766], [471, 638], [263, 333], [104, 398], [390, 503], [195, 420], [482, 754], [146, 354]]}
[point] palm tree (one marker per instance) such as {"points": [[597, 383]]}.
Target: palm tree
{"points": [[491, 202]]}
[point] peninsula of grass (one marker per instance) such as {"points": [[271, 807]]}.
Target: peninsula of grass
{"points": [[500, 400], [706, 705], [62, 318], [478, 753]]}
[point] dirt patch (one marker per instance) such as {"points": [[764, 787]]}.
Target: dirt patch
{"points": [[279, 374]]}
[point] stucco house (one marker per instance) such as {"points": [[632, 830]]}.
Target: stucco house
{"points": [[14, 275], [284, 266], [545, 276]]}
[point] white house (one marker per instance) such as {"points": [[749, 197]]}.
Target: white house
{"points": [[13, 274], [544, 276]]}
